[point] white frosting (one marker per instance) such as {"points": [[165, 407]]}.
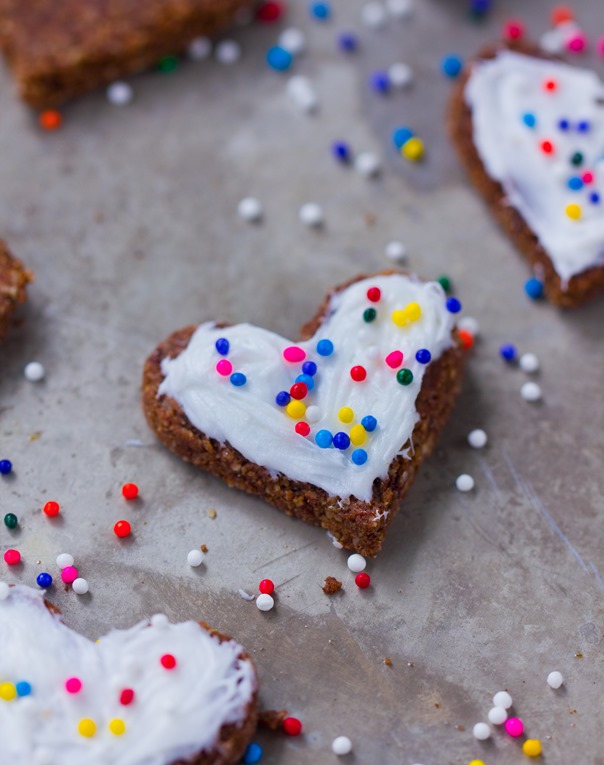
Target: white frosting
{"points": [[500, 91], [175, 713], [248, 418]]}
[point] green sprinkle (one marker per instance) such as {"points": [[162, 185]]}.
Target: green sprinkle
{"points": [[168, 64], [369, 315], [445, 283], [577, 158], [404, 376], [11, 521]]}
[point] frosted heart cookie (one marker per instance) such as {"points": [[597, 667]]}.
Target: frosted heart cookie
{"points": [[155, 694], [530, 130], [14, 278], [330, 429]]}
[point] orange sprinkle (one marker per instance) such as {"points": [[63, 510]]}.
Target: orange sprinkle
{"points": [[50, 119], [561, 14], [467, 340]]}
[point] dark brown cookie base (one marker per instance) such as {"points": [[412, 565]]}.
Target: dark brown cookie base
{"points": [[60, 49], [581, 287], [14, 278], [357, 525]]}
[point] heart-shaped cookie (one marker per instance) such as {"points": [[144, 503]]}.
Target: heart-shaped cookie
{"points": [[330, 429], [530, 129], [156, 694]]}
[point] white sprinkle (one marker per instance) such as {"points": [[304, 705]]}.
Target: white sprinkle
{"points": [[4, 590], [529, 363], [367, 164], [250, 209], [395, 250], [228, 52], [555, 679], [199, 48], [334, 541], [464, 482], [301, 91], [313, 413], [293, 40], [469, 324], [530, 391], [265, 602], [311, 214], [400, 9], [341, 745], [80, 586], [64, 560], [497, 715], [477, 439], [502, 699], [160, 621], [552, 41], [356, 563], [195, 558], [400, 75], [374, 15], [34, 371], [120, 93], [481, 731], [245, 595]]}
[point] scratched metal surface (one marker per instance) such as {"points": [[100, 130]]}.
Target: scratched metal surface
{"points": [[128, 218]]}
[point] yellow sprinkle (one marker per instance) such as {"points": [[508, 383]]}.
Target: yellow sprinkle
{"points": [[295, 409], [412, 312], [87, 727], [573, 211], [345, 414], [358, 435], [532, 747], [477, 762], [7, 691], [413, 149], [117, 726]]}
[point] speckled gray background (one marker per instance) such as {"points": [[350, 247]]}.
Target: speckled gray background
{"points": [[128, 217]]}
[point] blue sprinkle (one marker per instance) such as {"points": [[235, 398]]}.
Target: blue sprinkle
{"points": [[279, 59], [324, 347], [283, 398], [222, 346], [453, 305], [348, 42], [480, 7], [508, 352], [359, 456], [380, 82], [529, 119], [341, 441], [423, 356], [451, 65], [369, 423], [320, 11], [44, 580], [324, 439], [563, 124], [253, 754], [400, 136], [309, 368], [584, 126], [5, 467], [307, 380], [534, 288], [575, 183], [341, 151], [238, 379], [594, 198], [23, 688]]}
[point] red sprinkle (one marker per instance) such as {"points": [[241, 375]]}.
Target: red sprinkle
{"points": [[550, 85], [269, 12], [466, 339], [374, 294], [168, 661], [292, 726], [298, 391], [12, 557], [358, 373], [126, 697], [513, 30], [302, 428], [51, 509], [547, 147], [362, 580], [130, 490], [122, 529], [266, 587]]}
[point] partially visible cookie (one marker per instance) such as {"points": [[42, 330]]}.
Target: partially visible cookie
{"points": [[530, 130], [14, 278], [60, 49], [332, 429], [168, 694]]}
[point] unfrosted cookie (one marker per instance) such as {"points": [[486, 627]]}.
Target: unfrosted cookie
{"points": [[330, 429], [14, 278], [530, 131]]}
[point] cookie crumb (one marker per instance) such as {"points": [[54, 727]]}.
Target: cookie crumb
{"points": [[331, 586], [271, 718], [35, 436], [388, 661], [204, 548], [212, 513]]}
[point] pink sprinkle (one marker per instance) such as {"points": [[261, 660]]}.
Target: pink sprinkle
{"points": [[224, 367], [12, 557], [587, 177], [601, 46], [577, 43], [69, 574], [74, 684], [394, 359], [294, 353], [514, 726]]}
